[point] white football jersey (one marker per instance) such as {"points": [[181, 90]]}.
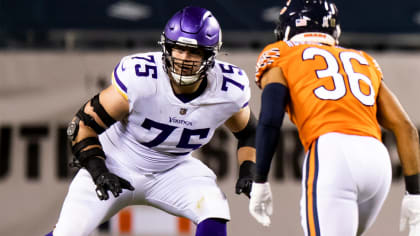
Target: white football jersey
{"points": [[160, 129]]}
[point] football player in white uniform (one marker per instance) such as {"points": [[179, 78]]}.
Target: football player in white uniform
{"points": [[135, 138]]}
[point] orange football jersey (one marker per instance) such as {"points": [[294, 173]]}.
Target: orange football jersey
{"points": [[332, 89]]}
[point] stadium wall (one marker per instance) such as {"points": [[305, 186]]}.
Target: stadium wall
{"points": [[40, 92]]}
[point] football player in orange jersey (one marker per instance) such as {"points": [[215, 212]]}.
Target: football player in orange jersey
{"points": [[337, 99]]}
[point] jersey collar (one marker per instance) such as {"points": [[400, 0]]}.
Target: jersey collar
{"points": [[314, 37]]}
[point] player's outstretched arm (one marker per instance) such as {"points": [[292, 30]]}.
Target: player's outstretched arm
{"points": [[98, 114], [273, 102], [392, 116], [243, 125]]}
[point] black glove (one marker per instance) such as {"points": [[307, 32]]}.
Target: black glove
{"points": [[109, 181], [105, 181], [246, 175]]}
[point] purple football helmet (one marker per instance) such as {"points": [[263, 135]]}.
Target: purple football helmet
{"points": [[198, 29], [308, 16]]}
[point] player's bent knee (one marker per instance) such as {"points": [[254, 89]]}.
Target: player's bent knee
{"points": [[212, 227]]}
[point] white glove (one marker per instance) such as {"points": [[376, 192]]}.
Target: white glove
{"points": [[410, 214], [261, 203]]}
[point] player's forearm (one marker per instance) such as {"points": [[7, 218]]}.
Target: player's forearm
{"points": [[273, 102], [408, 148], [88, 151], [246, 159], [408, 151], [245, 137], [90, 121], [85, 131], [246, 154], [267, 139]]}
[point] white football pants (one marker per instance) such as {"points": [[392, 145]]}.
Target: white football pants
{"points": [[188, 190], [346, 179]]}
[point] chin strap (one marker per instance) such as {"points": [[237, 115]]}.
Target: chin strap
{"points": [[183, 80]]}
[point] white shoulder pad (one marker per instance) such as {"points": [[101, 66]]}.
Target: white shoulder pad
{"points": [[232, 83], [136, 74]]}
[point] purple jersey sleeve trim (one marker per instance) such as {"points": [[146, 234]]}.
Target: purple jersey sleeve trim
{"points": [[246, 104], [117, 79]]}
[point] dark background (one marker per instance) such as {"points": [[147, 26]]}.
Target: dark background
{"points": [[377, 24]]}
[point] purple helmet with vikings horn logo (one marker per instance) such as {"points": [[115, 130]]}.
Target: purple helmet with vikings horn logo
{"points": [[196, 28]]}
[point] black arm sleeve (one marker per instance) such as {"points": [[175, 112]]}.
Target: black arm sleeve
{"points": [[246, 137], [412, 183], [273, 101]]}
